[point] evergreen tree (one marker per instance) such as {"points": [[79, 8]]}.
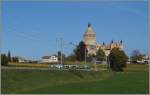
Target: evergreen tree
{"points": [[9, 56], [81, 51]]}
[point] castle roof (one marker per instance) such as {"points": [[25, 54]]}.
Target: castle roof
{"points": [[89, 30]]}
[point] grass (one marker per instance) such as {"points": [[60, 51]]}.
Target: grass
{"points": [[133, 80]]}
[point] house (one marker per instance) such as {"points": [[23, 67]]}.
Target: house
{"points": [[49, 59], [21, 59], [144, 60]]}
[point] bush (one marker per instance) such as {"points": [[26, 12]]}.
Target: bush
{"points": [[118, 59]]}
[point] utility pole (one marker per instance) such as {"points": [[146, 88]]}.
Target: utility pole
{"points": [[85, 55], [106, 63], [95, 65], [61, 49], [57, 49]]}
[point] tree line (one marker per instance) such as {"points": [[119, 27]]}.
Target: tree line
{"points": [[117, 58], [6, 58]]}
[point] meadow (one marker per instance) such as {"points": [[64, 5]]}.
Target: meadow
{"points": [[134, 80]]}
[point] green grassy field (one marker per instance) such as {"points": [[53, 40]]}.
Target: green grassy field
{"points": [[135, 79]]}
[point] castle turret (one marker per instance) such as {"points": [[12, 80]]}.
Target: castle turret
{"points": [[112, 41], [103, 43], [121, 45], [89, 38], [121, 42]]}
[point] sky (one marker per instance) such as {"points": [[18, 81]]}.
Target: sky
{"points": [[34, 29]]}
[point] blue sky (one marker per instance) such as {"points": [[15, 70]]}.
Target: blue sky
{"points": [[30, 29]]}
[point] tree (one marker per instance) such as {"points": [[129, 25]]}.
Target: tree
{"points": [[136, 55], [9, 56], [81, 51], [15, 59], [4, 60], [100, 54], [118, 59]]}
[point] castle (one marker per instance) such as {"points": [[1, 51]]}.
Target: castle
{"points": [[89, 38]]}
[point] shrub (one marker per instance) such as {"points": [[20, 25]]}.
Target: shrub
{"points": [[118, 59]]}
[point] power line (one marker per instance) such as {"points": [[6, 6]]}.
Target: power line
{"points": [[31, 38]]}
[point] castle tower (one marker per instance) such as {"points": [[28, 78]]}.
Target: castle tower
{"points": [[89, 38]]}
